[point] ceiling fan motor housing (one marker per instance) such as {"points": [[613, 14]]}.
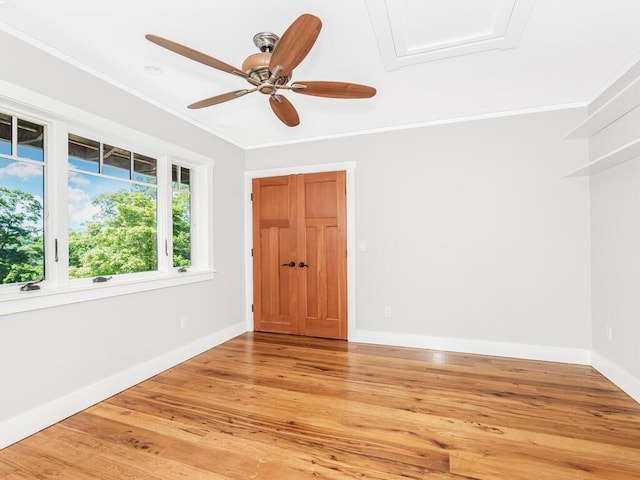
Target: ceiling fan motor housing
{"points": [[256, 66]]}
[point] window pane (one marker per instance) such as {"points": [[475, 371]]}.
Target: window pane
{"points": [[5, 134], [174, 177], [21, 221], [116, 162], [144, 168], [112, 226], [185, 179], [30, 140], [181, 215], [84, 154]]}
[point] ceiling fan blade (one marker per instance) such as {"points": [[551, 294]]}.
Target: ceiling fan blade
{"points": [[195, 55], [225, 97], [284, 110], [295, 44], [334, 89]]}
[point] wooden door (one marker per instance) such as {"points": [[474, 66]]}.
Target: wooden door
{"points": [[275, 289], [299, 254]]}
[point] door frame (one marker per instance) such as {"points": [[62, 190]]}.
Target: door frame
{"points": [[349, 168]]}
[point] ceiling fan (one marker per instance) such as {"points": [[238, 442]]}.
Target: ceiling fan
{"points": [[270, 70]]}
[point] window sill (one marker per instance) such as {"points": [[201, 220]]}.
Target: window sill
{"points": [[16, 302]]}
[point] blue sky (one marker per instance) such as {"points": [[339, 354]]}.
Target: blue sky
{"points": [[28, 176], [24, 176]]}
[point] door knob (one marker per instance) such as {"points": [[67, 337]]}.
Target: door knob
{"points": [[290, 264], [302, 264]]}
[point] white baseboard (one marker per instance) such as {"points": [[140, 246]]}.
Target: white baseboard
{"points": [[619, 376], [28, 423], [482, 347]]}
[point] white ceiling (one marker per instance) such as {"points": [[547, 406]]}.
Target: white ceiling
{"points": [[430, 60]]}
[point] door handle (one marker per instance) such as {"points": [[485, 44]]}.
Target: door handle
{"points": [[302, 264], [290, 264]]}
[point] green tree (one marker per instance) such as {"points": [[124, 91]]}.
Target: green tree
{"points": [[181, 217], [121, 238], [21, 240]]}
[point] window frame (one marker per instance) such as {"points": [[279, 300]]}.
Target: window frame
{"points": [[57, 288], [48, 247], [160, 187]]}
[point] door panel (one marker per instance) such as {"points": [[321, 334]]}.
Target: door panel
{"points": [[312, 231], [324, 247], [275, 288]]}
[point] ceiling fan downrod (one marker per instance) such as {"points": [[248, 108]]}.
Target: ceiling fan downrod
{"points": [[265, 41]]}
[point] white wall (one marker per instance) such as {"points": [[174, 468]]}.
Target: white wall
{"points": [[615, 212], [474, 238], [56, 361], [37, 71], [47, 354], [615, 231]]}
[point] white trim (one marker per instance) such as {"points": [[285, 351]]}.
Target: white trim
{"points": [[28, 423], [625, 100], [84, 290], [628, 66], [625, 153], [617, 375], [430, 123], [350, 168], [388, 21], [49, 50], [11, 91], [27, 102], [60, 118], [481, 347]]}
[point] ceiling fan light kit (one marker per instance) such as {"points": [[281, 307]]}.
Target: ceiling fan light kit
{"points": [[271, 70]]}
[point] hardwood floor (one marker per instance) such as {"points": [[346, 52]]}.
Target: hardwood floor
{"points": [[278, 407]]}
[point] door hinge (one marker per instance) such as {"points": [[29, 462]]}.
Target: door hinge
{"points": [[252, 308], [252, 252], [252, 196]]}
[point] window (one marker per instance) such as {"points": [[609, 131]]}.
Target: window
{"points": [[181, 215], [112, 210], [80, 208], [22, 173]]}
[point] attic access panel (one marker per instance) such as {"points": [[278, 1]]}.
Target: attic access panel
{"points": [[414, 31]]}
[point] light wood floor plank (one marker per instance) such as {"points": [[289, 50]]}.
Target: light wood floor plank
{"points": [[268, 407]]}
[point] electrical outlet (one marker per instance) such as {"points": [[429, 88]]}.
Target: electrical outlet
{"points": [[387, 312], [184, 321], [610, 334]]}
